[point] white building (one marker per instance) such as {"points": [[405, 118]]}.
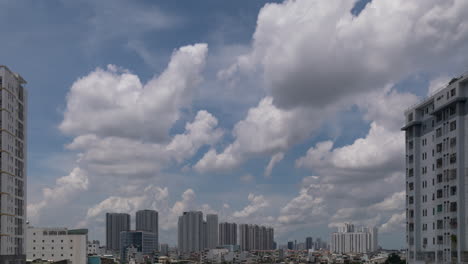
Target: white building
{"points": [[13, 180], [348, 240], [57, 244], [94, 248], [436, 171]]}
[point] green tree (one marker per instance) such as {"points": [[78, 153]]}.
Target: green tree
{"points": [[394, 259]]}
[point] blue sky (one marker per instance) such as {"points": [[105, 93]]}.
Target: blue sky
{"points": [[201, 96]]}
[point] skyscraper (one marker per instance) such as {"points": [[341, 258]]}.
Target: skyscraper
{"points": [[13, 180], [308, 242], [227, 234], [254, 237], [190, 232], [211, 231], [436, 136], [147, 220], [116, 223]]}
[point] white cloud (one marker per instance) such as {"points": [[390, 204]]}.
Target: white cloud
{"points": [[113, 101], [274, 159], [65, 188], [256, 203], [437, 83], [265, 130], [316, 52]]}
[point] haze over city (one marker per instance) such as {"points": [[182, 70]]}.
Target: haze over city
{"points": [[284, 114]]}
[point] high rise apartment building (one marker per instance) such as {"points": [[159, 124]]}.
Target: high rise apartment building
{"points": [[13, 105], [211, 231], [309, 243], [227, 234], [190, 232], [147, 220], [116, 223], [254, 237], [436, 176], [349, 240]]}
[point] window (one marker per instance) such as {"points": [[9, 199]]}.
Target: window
{"points": [[439, 193], [453, 92], [453, 174], [453, 158], [452, 110], [410, 159], [453, 125], [439, 178], [411, 200], [453, 190], [439, 132], [410, 145], [453, 207], [453, 142], [411, 186], [439, 147], [439, 163], [439, 208], [410, 117], [440, 224]]}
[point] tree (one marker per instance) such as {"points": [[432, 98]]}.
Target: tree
{"points": [[394, 259]]}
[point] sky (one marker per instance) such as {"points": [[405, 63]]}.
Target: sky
{"points": [[284, 113]]}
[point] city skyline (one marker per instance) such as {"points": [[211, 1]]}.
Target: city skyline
{"points": [[276, 113]]}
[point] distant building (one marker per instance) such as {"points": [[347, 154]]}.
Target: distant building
{"points": [[147, 220], [164, 250], [13, 163], [254, 237], [228, 234], [116, 223], [211, 231], [57, 244], [142, 242], [190, 232], [93, 247], [309, 242], [349, 240], [290, 245]]}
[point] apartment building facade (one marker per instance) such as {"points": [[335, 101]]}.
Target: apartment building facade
{"points": [[436, 176], [13, 180]]}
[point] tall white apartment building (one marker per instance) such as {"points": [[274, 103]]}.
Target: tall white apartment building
{"points": [[13, 105], [436, 176], [349, 240], [56, 244]]}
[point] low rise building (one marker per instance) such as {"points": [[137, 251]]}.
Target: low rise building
{"points": [[56, 244]]}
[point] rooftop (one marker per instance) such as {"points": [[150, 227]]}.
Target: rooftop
{"points": [[17, 76]]}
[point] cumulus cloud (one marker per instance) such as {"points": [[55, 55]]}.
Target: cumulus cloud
{"points": [[114, 102], [125, 156], [150, 197], [65, 189], [265, 130], [274, 159], [316, 52], [256, 203]]}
